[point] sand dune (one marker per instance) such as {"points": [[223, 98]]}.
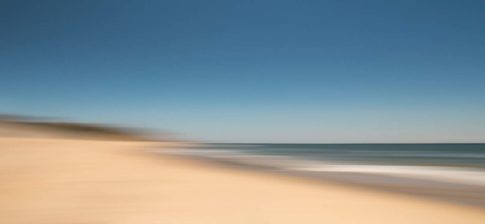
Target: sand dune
{"points": [[35, 128]]}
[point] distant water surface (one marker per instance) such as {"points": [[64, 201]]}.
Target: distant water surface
{"points": [[452, 155], [459, 164]]}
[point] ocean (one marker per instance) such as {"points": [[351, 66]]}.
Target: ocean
{"points": [[450, 171]]}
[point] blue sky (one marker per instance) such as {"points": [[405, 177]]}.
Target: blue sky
{"points": [[251, 71]]}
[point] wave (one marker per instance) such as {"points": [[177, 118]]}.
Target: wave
{"points": [[456, 175]]}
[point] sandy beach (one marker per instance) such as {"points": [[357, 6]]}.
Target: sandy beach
{"points": [[242, 112], [49, 180]]}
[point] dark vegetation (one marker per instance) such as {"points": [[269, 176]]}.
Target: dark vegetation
{"points": [[71, 129]]}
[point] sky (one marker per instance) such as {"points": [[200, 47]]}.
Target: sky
{"points": [[251, 71]]}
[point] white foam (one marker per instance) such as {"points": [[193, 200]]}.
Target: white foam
{"points": [[443, 174], [440, 174]]}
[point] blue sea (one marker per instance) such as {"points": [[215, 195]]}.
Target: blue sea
{"points": [[391, 159], [452, 171]]}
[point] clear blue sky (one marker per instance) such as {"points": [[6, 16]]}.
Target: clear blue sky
{"points": [[252, 71]]}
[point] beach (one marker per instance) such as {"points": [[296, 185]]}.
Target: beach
{"points": [[242, 112], [53, 180]]}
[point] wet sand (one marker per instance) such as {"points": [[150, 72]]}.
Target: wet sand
{"points": [[47, 180]]}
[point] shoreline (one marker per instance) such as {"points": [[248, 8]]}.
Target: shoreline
{"points": [[82, 181], [447, 192]]}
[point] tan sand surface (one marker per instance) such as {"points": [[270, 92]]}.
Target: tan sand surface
{"points": [[56, 181]]}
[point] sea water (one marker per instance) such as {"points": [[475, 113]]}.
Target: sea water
{"points": [[447, 163]]}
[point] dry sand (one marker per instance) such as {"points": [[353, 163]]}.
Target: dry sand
{"points": [[50, 181]]}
